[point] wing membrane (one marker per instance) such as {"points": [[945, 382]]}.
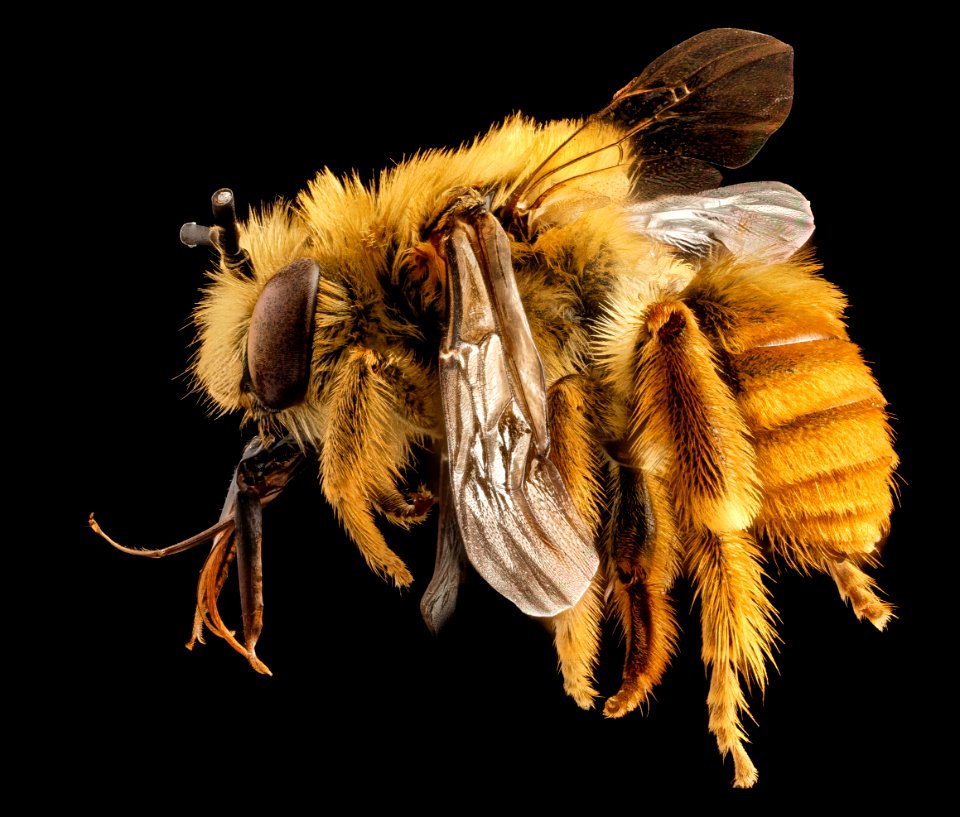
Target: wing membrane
{"points": [[517, 522], [710, 102], [765, 220]]}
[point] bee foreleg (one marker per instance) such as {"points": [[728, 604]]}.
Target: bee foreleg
{"points": [[364, 450], [413, 400]]}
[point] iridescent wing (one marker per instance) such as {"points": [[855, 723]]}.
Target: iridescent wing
{"points": [[516, 521], [769, 221], [710, 101]]}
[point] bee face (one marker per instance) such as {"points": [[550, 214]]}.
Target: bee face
{"points": [[605, 371]]}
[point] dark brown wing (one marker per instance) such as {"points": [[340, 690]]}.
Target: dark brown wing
{"points": [[710, 102]]}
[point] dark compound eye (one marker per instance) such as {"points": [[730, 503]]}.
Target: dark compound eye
{"points": [[280, 342]]}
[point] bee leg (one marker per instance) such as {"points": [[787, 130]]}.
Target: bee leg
{"points": [[823, 443], [688, 426], [577, 630], [737, 634], [363, 450], [859, 589], [576, 636], [644, 561], [411, 388], [414, 390], [403, 511]]}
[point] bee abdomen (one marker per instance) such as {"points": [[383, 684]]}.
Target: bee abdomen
{"points": [[779, 384], [824, 452]]}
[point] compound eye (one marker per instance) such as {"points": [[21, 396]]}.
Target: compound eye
{"points": [[280, 341]]}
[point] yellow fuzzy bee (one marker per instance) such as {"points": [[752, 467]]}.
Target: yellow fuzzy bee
{"points": [[613, 371]]}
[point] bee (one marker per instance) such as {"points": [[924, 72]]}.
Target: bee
{"points": [[611, 371]]}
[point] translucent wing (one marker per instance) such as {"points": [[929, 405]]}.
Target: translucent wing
{"points": [[710, 101], [440, 598], [517, 522], [765, 220]]}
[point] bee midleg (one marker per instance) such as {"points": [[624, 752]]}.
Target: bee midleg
{"points": [[577, 456], [577, 641], [688, 423], [642, 560], [415, 399], [364, 450]]}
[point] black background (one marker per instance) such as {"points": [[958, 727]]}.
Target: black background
{"points": [[364, 702]]}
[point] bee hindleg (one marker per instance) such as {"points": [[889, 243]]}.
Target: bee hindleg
{"points": [[737, 633], [688, 424], [821, 433]]}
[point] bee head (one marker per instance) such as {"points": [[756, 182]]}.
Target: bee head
{"points": [[256, 335]]}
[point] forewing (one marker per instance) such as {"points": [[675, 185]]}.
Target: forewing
{"points": [[518, 524], [440, 598]]}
